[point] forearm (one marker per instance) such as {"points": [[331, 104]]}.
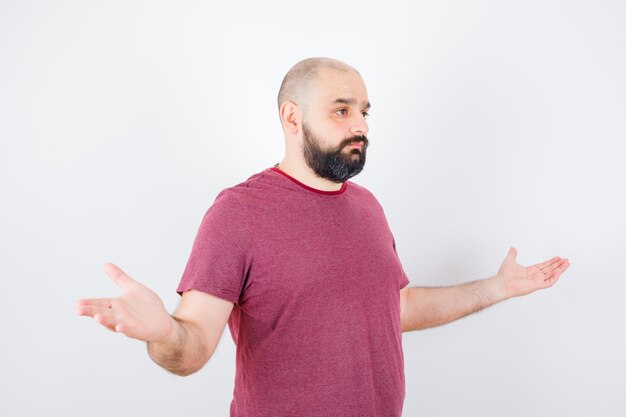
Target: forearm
{"points": [[183, 352], [426, 307]]}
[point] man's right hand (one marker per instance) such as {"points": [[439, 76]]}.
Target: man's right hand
{"points": [[138, 313]]}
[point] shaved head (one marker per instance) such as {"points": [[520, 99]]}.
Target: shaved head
{"points": [[297, 82]]}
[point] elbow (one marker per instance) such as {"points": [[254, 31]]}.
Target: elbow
{"points": [[184, 372], [192, 368], [181, 363]]}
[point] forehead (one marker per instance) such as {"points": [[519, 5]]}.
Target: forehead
{"points": [[332, 84]]}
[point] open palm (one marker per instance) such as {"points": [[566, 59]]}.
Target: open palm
{"points": [[520, 280], [138, 313]]}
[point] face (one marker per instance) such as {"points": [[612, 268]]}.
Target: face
{"points": [[334, 141]]}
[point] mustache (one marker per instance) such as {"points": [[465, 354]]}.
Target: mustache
{"points": [[354, 139]]}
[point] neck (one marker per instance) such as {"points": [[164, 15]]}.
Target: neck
{"points": [[303, 173]]}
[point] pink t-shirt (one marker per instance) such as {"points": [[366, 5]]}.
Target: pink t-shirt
{"points": [[315, 279]]}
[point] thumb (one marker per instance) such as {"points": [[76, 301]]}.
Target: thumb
{"points": [[118, 276], [512, 253]]}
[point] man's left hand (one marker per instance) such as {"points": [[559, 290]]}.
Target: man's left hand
{"points": [[516, 280]]}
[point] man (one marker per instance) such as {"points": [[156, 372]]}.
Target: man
{"points": [[302, 265]]}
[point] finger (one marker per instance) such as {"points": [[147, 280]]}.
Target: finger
{"points": [[123, 328], [548, 262], [133, 330], [91, 311], [512, 253], [553, 277], [108, 320], [102, 302], [552, 267], [118, 276]]}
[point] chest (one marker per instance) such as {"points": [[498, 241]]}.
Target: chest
{"points": [[320, 257]]}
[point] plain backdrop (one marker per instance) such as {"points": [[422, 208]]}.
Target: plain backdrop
{"points": [[493, 124]]}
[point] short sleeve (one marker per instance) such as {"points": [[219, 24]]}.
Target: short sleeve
{"points": [[219, 258], [405, 279]]}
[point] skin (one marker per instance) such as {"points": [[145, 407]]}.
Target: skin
{"points": [[184, 341], [424, 307]]}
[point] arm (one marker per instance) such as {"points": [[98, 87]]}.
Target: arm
{"points": [[181, 343], [424, 307], [421, 307], [198, 324]]}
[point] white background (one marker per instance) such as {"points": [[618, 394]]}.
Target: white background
{"points": [[493, 124]]}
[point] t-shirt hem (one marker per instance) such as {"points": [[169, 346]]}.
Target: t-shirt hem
{"points": [[209, 290]]}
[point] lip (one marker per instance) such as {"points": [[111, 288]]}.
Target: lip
{"points": [[356, 145]]}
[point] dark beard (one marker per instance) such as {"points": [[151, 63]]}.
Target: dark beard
{"points": [[333, 164]]}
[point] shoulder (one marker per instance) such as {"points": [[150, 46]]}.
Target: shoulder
{"points": [[362, 192], [366, 199], [240, 194], [235, 200]]}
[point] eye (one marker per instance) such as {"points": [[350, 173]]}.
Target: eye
{"points": [[344, 110], [365, 114]]}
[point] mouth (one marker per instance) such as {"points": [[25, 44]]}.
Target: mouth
{"points": [[357, 144]]}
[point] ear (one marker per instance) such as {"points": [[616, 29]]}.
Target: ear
{"points": [[290, 116]]}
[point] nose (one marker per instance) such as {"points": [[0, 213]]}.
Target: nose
{"points": [[359, 127]]}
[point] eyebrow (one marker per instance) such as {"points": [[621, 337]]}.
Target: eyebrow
{"points": [[350, 102]]}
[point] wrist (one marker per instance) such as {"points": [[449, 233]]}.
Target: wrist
{"points": [[171, 336], [497, 289]]}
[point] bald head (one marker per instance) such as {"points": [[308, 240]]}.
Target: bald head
{"points": [[298, 80]]}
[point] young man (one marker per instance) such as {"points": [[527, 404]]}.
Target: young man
{"points": [[301, 264]]}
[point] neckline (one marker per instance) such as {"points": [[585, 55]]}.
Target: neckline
{"points": [[306, 187]]}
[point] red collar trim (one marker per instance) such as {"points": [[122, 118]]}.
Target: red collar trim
{"points": [[315, 190]]}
